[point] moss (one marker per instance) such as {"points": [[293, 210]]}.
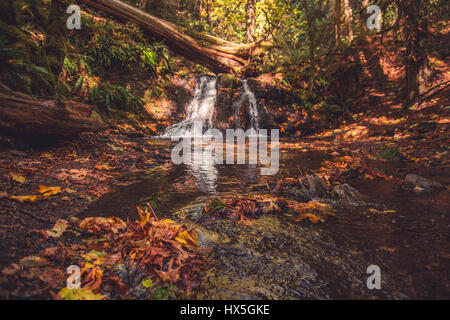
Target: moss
{"points": [[228, 81], [96, 116], [57, 36]]}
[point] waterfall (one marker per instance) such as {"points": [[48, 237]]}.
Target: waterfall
{"points": [[248, 95], [201, 108]]}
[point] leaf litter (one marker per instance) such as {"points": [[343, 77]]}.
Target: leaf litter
{"points": [[164, 253]]}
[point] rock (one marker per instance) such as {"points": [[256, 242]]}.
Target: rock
{"points": [[309, 187], [345, 192], [420, 185]]}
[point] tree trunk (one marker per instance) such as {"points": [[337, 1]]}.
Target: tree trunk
{"points": [[348, 21], [363, 15], [312, 45], [23, 114], [337, 22], [417, 61], [57, 37], [15, 38], [213, 57], [251, 21]]}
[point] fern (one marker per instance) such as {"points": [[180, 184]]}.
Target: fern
{"points": [[23, 74]]}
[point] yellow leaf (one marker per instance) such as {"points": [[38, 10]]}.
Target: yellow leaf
{"points": [[105, 167], [45, 193], [144, 215], [18, 178], [79, 294], [58, 229], [187, 238], [47, 155], [378, 211], [29, 198], [167, 222], [49, 191]]}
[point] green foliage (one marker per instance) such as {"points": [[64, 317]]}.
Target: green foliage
{"points": [[78, 79], [116, 97], [215, 205], [21, 73], [166, 293], [389, 154], [111, 48], [126, 49]]}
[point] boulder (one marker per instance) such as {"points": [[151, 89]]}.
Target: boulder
{"points": [[345, 192], [310, 186], [420, 185]]}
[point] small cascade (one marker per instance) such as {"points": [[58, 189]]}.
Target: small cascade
{"points": [[201, 108], [248, 95]]}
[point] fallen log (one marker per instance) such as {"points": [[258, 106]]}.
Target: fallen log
{"points": [[26, 115], [181, 43]]}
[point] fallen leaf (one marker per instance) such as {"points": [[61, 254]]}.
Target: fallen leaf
{"points": [[45, 193], [11, 269], [101, 226], [58, 229], [187, 238], [313, 218], [147, 283], [46, 155], [378, 211], [33, 261], [27, 198], [79, 294], [18, 178], [105, 167], [49, 191]]}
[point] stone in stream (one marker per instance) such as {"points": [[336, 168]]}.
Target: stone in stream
{"points": [[345, 192], [420, 185], [309, 187]]}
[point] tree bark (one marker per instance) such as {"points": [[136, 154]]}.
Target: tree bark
{"points": [[337, 22], [216, 58], [348, 21], [417, 60], [57, 37], [23, 114], [363, 15], [312, 45], [251, 21]]}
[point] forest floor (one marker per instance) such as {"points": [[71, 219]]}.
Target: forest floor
{"points": [[44, 186], [81, 171]]}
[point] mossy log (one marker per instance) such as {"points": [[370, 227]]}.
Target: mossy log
{"points": [[220, 58], [26, 115]]}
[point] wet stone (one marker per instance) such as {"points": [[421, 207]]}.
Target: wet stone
{"points": [[345, 192], [309, 187], [420, 185]]}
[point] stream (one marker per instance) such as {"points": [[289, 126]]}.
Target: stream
{"points": [[277, 257]]}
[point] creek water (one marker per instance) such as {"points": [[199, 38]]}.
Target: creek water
{"points": [[276, 256]]}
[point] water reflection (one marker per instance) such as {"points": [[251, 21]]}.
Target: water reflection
{"points": [[202, 166], [213, 175]]}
